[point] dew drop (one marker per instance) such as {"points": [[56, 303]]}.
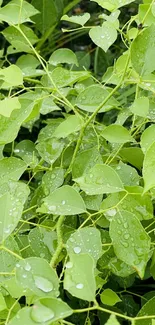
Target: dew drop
{"points": [[27, 267], [77, 249], [125, 244], [125, 225], [41, 314], [63, 202], [43, 284], [69, 265], [79, 286], [126, 236]]}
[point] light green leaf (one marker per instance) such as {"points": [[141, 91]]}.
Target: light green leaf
{"points": [[128, 175], [85, 240], [24, 316], [148, 168], [47, 15], [17, 40], [2, 302], [11, 169], [130, 241], [52, 179], [63, 201], [146, 310], [12, 76], [116, 134], [112, 5], [63, 77], [37, 275], [17, 12], [72, 124], [12, 198], [112, 321], [140, 106], [109, 297], [90, 98], [143, 60], [8, 105], [147, 138], [48, 105], [80, 19], [100, 179], [79, 277], [28, 64], [27, 151], [103, 36], [63, 56], [50, 150]]}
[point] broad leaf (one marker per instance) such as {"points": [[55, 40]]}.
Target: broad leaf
{"points": [[109, 297], [47, 14], [147, 138], [8, 105], [130, 241], [11, 169], [140, 106], [63, 56], [80, 19], [79, 277], [100, 179], [148, 168], [85, 240], [116, 134], [71, 125], [27, 151], [64, 200], [103, 36], [112, 5], [146, 310], [52, 179], [12, 76], [37, 275], [50, 150]]}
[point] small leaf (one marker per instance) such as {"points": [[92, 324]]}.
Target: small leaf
{"points": [[133, 155], [8, 105], [140, 106], [63, 77], [148, 168], [71, 125], [63, 201], [146, 310], [85, 240], [37, 275], [130, 241], [112, 321], [11, 169], [50, 149], [147, 138], [112, 5], [103, 36], [80, 19], [116, 134], [79, 277], [12, 76], [109, 297], [101, 179], [52, 179], [63, 56], [15, 13]]}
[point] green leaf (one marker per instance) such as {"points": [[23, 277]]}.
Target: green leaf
{"points": [[103, 36], [80, 19], [11, 169], [146, 310], [143, 60], [85, 240], [112, 321], [8, 105], [148, 168], [112, 5], [52, 179], [48, 105], [71, 125], [90, 98], [17, 40], [64, 200], [12, 76], [50, 150], [130, 241], [100, 179], [133, 155], [16, 12], [2, 302], [79, 277], [127, 174], [27, 151], [116, 134], [12, 198], [147, 138], [63, 56], [37, 275], [63, 77], [47, 14], [109, 297], [140, 106]]}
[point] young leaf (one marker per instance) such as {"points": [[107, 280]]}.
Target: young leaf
{"points": [[116, 134], [63, 77], [71, 125], [37, 275], [12, 198], [100, 179], [8, 105], [112, 5], [109, 297], [52, 179], [146, 310], [133, 155], [140, 106], [112, 321], [12, 76], [80, 19], [50, 150], [85, 240], [148, 168], [63, 201], [79, 277], [147, 138], [142, 60], [130, 241], [63, 56], [103, 36]]}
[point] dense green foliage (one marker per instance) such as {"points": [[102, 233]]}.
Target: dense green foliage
{"points": [[77, 162]]}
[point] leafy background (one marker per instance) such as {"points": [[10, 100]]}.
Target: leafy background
{"points": [[77, 161]]}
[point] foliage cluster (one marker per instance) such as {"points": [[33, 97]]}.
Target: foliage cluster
{"points": [[77, 162]]}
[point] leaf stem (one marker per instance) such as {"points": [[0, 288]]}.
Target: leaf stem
{"points": [[59, 241]]}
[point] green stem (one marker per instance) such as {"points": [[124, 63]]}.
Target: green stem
{"points": [[71, 5], [59, 241], [45, 37]]}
